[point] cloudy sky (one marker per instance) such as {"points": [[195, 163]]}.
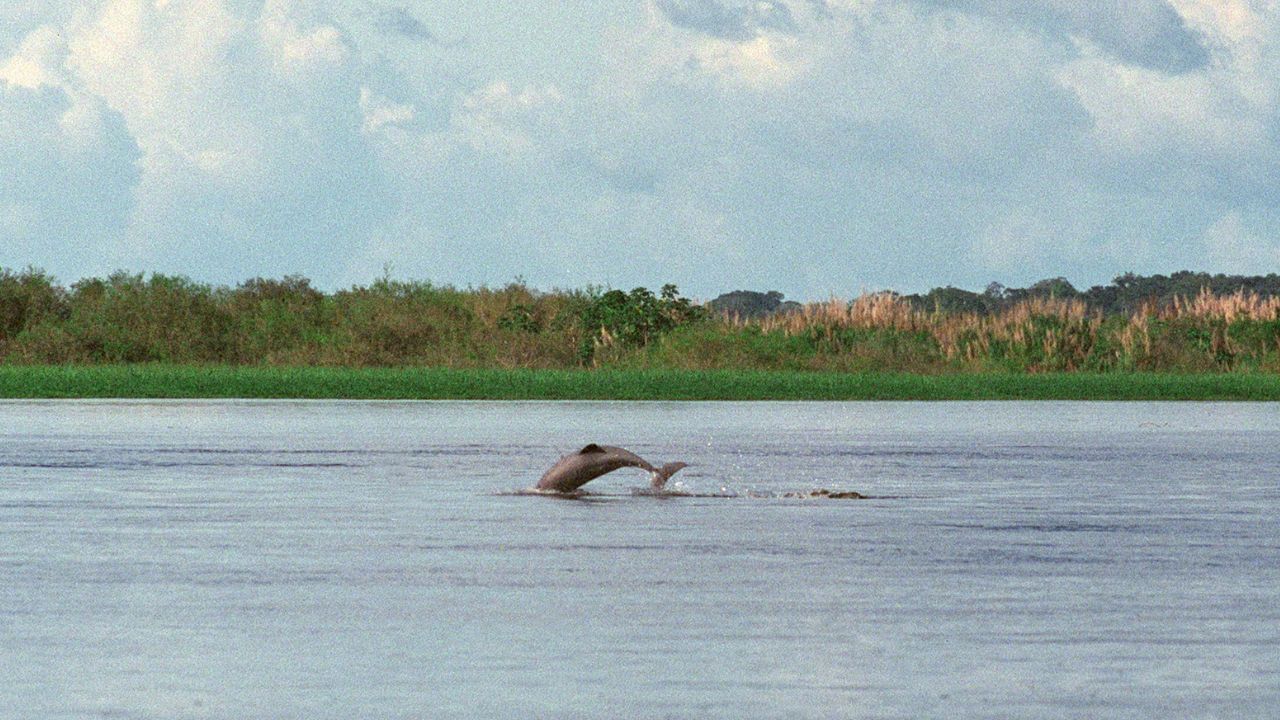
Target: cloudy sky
{"points": [[808, 146]]}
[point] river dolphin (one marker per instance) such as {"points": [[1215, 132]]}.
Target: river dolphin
{"points": [[577, 469]]}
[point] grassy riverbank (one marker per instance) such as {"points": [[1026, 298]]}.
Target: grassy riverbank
{"points": [[169, 336], [176, 381], [172, 320]]}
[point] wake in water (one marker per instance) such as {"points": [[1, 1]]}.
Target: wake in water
{"points": [[679, 491], [634, 492]]}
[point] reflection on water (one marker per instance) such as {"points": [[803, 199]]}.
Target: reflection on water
{"points": [[337, 560]]}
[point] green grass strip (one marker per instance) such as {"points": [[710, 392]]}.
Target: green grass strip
{"points": [[169, 381]]}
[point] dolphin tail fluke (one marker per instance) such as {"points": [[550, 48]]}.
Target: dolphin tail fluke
{"points": [[660, 476]]}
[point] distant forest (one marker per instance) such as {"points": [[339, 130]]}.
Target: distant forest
{"points": [[1185, 322], [1126, 294]]}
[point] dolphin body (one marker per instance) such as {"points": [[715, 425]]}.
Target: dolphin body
{"points": [[577, 469]]}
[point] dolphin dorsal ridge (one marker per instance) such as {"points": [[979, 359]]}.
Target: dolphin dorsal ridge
{"points": [[591, 448]]}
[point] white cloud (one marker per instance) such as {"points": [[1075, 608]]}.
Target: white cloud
{"points": [[37, 60], [805, 145], [1232, 247], [498, 121], [301, 51], [1229, 22], [868, 162], [1137, 111], [1014, 244], [1142, 33], [380, 112], [67, 167], [762, 62], [250, 126]]}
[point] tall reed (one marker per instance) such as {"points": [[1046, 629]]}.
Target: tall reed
{"points": [[1039, 334], [128, 318]]}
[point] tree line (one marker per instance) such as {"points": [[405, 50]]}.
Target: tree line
{"points": [[1124, 295], [1187, 322]]}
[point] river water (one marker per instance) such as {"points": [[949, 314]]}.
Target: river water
{"points": [[372, 560]]}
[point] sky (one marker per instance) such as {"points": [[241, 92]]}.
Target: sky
{"points": [[814, 147]]}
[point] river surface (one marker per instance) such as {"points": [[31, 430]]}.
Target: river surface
{"points": [[373, 560]]}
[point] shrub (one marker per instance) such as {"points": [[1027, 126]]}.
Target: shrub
{"points": [[167, 318], [632, 319], [27, 299]]}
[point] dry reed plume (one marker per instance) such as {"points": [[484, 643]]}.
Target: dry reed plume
{"points": [[1240, 304], [133, 318], [1047, 333]]}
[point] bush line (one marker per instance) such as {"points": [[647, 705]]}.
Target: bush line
{"points": [[172, 320]]}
